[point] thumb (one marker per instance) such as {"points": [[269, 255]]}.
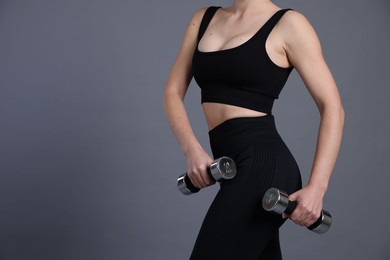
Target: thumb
{"points": [[293, 196]]}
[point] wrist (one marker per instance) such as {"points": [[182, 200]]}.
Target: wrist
{"points": [[320, 187], [190, 147]]}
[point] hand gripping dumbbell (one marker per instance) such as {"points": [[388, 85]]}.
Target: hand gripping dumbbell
{"points": [[276, 201], [222, 168]]}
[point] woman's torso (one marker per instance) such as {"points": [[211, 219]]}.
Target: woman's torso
{"points": [[226, 34]]}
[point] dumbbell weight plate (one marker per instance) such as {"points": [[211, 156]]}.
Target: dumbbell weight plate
{"points": [[275, 200], [223, 168], [322, 224], [186, 187]]}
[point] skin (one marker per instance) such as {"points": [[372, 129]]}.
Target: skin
{"points": [[293, 42]]}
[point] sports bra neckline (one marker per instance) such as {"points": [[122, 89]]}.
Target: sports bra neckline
{"points": [[238, 46]]}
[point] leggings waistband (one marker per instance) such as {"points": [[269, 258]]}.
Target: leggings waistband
{"points": [[237, 133]]}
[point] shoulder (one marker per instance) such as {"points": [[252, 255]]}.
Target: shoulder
{"points": [[297, 30], [193, 25], [196, 20], [295, 22], [191, 33], [301, 42], [198, 16]]}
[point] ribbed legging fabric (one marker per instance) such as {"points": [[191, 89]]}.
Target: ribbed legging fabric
{"points": [[236, 226]]}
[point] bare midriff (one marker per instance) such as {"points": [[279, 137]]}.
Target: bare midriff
{"points": [[217, 113]]}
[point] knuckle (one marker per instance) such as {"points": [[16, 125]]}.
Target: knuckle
{"points": [[197, 170], [305, 208], [293, 217], [191, 173]]}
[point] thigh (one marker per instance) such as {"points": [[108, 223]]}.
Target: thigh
{"points": [[272, 250], [236, 226]]}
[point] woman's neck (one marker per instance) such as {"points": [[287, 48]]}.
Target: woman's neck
{"points": [[245, 7]]}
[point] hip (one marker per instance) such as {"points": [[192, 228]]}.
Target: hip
{"points": [[238, 133]]}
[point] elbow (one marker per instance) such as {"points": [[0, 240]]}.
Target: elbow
{"points": [[342, 115], [338, 115], [334, 112], [166, 98]]}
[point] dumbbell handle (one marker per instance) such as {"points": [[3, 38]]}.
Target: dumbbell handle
{"points": [[290, 207], [191, 186], [277, 201]]}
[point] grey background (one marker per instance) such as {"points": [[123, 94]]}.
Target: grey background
{"points": [[88, 163]]}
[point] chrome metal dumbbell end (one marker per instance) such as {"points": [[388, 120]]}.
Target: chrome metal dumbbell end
{"points": [[222, 168], [275, 200], [182, 186], [322, 224]]}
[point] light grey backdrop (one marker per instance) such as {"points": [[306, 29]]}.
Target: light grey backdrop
{"points": [[88, 164]]}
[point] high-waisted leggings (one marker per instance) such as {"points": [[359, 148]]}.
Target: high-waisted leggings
{"points": [[236, 226]]}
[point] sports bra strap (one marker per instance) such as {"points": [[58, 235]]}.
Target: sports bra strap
{"points": [[270, 24], [208, 15]]}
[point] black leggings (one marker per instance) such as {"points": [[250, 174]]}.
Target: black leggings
{"points": [[236, 226]]}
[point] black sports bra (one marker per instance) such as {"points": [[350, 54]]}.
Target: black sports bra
{"points": [[243, 76]]}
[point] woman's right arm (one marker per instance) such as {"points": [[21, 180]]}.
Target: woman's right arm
{"points": [[175, 89]]}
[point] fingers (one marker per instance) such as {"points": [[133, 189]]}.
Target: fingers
{"points": [[200, 177], [304, 215], [198, 162], [309, 206]]}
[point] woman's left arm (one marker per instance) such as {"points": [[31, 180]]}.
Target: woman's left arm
{"points": [[303, 50]]}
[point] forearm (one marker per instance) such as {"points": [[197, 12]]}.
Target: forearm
{"points": [[328, 145], [197, 159], [178, 121]]}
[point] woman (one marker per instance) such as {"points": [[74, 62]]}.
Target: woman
{"points": [[241, 57]]}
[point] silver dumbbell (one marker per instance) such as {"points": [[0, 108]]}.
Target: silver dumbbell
{"points": [[276, 201], [222, 168]]}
